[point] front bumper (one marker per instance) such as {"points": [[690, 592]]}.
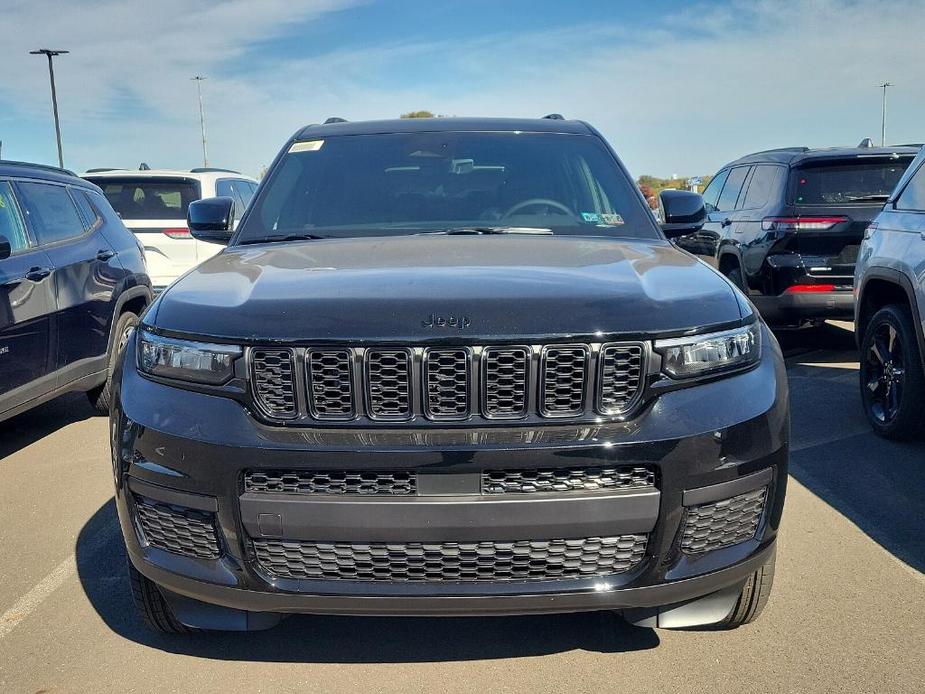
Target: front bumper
{"points": [[705, 443]]}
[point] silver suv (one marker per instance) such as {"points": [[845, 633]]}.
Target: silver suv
{"points": [[890, 313]]}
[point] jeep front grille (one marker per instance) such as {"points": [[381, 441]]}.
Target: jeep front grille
{"points": [[524, 560], [566, 479], [495, 382], [274, 385]]}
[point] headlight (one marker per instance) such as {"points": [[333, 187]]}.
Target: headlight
{"points": [[687, 357], [183, 360]]}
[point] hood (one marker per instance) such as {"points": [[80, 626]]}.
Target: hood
{"points": [[438, 287]]}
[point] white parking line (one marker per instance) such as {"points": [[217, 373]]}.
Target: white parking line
{"points": [[35, 597]]}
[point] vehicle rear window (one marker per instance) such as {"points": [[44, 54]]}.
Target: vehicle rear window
{"points": [[390, 184], [149, 198], [848, 182]]}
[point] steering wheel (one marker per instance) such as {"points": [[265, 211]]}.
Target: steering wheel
{"points": [[534, 202]]}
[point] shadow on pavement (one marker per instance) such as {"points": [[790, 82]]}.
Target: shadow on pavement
{"points": [[33, 425], [879, 485], [310, 639]]}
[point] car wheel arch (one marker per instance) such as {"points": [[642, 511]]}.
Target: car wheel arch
{"points": [[881, 287]]}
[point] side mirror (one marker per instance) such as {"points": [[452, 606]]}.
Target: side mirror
{"points": [[211, 219], [683, 212], [6, 248]]}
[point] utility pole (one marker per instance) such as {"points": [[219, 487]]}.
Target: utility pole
{"points": [[884, 87], [49, 53], [202, 119]]}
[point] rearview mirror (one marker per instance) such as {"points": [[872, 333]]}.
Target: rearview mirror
{"points": [[683, 212], [211, 219], [6, 249]]}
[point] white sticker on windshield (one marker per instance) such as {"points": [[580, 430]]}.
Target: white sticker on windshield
{"points": [[307, 146], [612, 219]]}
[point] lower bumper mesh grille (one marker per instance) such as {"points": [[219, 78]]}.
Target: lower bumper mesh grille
{"points": [[525, 560], [178, 529], [395, 483], [566, 479], [722, 523]]}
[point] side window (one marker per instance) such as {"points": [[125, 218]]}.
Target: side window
{"points": [[51, 212], [913, 197], [227, 187], [92, 218], [727, 199], [711, 194], [759, 188], [244, 191], [11, 224]]}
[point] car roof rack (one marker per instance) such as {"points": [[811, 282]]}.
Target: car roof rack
{"points": [[553, 116], [781, 149], [213, 169], [44, 167], [909, 144], [334, 119], [101, 169]]}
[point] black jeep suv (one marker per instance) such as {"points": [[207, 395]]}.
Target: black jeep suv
{"points": [[72, 285], [450, 367], [785, 225]]}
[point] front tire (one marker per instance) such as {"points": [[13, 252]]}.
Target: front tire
{"points": [[752, 599], [152, 606], [891, 376], [101, 396]]}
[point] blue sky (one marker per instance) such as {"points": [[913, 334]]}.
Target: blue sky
{"points": [[677, 87]]}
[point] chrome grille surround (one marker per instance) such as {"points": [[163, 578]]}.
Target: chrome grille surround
{"points": [[523, 560], [496, 384], [722, 523], [177, 529], [619, 372], [563, 378], [388, 383], [447, 376], [339, 482], [589, 479], [330, 384], [505, 382], [273, 382]]}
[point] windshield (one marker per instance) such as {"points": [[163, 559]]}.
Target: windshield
{"points": [[475, 182], [851, 181], [147, 197]]}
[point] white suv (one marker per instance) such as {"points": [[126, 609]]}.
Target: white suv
{"points": [[153, 205]]}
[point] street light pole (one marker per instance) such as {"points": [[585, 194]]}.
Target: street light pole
{"points": [[884, 87], [202, 119], [49, 53]]}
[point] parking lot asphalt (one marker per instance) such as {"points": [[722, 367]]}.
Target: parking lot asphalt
{"points": [[847, 613]]}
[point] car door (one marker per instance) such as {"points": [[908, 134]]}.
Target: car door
{"points": [[27, 304], [762, 192], [905, 234], [85, 270], [703, 243]]}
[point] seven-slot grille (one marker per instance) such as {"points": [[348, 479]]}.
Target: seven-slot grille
{"points": [[524, 560], [274, 384], [448, 383]]}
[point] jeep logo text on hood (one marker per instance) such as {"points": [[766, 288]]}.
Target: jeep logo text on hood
{"points": [[435, 321]]}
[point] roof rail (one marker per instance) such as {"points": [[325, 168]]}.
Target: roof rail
{"points": [[553, 116], [104, 168], [781, 149], [44, 167], [909, 144], [212, 169], [334, 119]]}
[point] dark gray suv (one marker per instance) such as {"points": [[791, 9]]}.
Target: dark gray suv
{"points": [[450, 367], [890, 320]]}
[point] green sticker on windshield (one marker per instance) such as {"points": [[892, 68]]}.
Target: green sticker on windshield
{"points": [[591, 216]]}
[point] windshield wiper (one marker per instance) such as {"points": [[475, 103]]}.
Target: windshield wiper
{"points": [[487, 230], [282, 237], [873, 198]]}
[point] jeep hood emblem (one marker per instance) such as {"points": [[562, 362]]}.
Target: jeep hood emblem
{"points": [[436, 321]]}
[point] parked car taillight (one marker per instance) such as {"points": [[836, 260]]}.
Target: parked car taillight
{"points": [[178, 233], [800, 223]]}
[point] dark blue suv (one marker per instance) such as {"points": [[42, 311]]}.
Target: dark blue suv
{"points": [[72, 285]]}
